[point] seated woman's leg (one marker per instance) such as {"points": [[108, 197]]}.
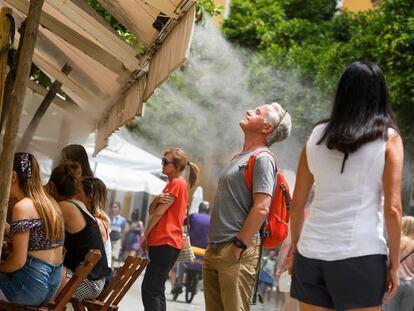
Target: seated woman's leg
{"points": [[35, 284]]}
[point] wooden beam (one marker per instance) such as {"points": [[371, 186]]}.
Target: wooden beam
{"points": [[16, 105], [117, 10], [4, 49], [74, 38], [163, 6], [38, 89], [41, 110], [11, 77], [68, 106], [80, 90], [116, 46]]}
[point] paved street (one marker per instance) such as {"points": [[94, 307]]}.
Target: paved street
{"points": [[132, 301]]}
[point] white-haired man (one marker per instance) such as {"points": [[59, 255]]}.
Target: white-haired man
{"points": [[232, 254]]}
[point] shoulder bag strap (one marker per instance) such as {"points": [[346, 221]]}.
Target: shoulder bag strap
{"points": [[188, 219], [82, 208], [409, 254]]}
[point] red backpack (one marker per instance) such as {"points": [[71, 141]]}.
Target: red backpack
{"points": [[277, 225]]}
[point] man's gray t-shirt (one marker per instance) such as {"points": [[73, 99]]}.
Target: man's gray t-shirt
{"points": [[233, 200]]}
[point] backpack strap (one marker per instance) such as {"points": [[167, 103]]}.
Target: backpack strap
{"points": [[82, 208], [249, 182], [256, 285], [248, 173]]}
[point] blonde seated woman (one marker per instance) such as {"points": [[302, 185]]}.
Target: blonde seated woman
{"points": [[31, 273], [93, 194]]}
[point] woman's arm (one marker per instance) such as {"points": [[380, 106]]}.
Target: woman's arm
{"points": [[153, 220], [162, 198], [20, 241], [283, 255], [394, 156], [153, 205], [304, 183], [102, 229]]}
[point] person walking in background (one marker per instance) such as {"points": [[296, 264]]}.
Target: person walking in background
{"points": [[231, 258], [118, 226], [132, 241], [199, 227], [353, 159], [283, 278], [266, 276], [404, 299], [31, 273], [163, 235]]}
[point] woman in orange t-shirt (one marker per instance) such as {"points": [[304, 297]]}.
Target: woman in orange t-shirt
{"points": [[163, 236]]}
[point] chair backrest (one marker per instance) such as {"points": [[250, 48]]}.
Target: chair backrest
{"points": [[122, 281], [80, 274]]}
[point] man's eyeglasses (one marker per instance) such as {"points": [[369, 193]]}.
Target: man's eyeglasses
{"points": [[165, 161]]}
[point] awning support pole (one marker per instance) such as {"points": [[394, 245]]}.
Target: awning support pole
{"points": [[4, 47], [41, 110], [16, 105]]}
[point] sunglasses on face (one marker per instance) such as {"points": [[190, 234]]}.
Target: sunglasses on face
{"points": [[165, 161]]}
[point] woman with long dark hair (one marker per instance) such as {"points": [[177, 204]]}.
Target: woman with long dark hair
{"points": [[31, 273], [78, 154], [354, 159], [163, 235], [81, 229]]}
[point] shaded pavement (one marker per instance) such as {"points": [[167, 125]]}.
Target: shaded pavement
{"points": [[133, 301]]}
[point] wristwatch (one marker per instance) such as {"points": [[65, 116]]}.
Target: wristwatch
{"points": [[239, 244]]}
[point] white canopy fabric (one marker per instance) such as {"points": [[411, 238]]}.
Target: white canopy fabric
{"points": [[124, 179], [108, 82], [125, 167], [121, 165], [122, 154]]}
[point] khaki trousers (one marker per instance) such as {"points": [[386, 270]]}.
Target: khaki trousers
{"points": [[228, 280]]}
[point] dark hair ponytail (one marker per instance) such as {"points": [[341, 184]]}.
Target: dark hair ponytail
{"points": [[66, 178]]}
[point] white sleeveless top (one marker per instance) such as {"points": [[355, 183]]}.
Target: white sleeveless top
{"points": [[346, 217], [108, 251]]}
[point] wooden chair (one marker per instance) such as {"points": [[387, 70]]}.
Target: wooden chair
{"points": [[112, 295], [60, 301]]}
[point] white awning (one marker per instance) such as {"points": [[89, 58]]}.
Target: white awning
{"points": [[109, 82], [121, 166]]}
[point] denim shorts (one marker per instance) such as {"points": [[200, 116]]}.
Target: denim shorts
{"points": [[35, 284]]}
